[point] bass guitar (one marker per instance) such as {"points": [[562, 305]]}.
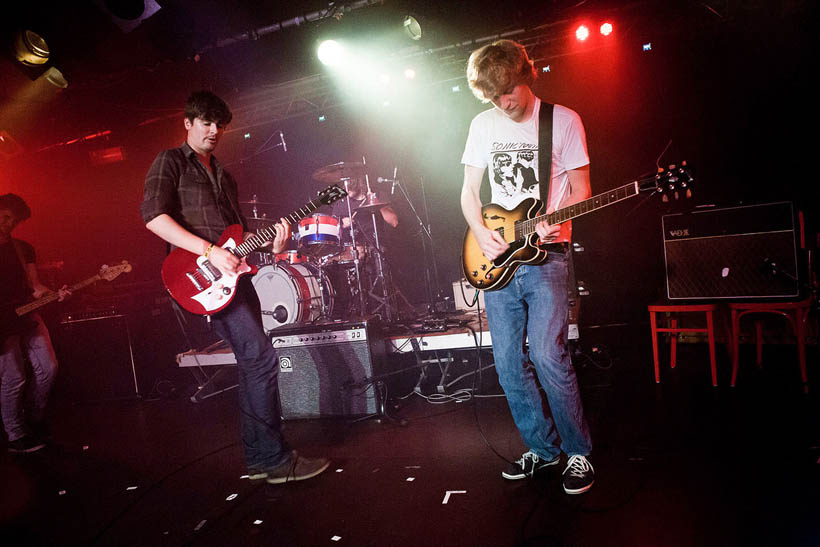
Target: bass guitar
{"points": [[517, 226], [13, 321], [202, 288]]}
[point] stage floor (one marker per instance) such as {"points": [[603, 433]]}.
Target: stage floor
{"points": [[680, 463]]}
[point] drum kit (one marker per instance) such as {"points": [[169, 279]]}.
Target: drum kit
{"points": [[324, 277]]}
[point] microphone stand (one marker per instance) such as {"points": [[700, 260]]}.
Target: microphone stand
{"points": [[427, 245]]}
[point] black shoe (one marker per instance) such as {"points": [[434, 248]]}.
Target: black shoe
{"points": [[296, 468], [25, 444], [526, 467], [579, 475]]}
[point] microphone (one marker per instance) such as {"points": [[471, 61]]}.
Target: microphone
{"points": [[284, 144]]}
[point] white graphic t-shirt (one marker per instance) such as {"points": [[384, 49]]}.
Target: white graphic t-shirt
{"points": [[510, 151]]}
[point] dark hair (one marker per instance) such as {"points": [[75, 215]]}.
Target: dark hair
{"points": [[207, 106], [494, 68], [17, 206]]}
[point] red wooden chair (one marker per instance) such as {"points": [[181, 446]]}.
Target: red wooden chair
{"points": [[671, 311]]}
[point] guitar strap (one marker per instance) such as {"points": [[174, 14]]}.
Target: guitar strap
{"points": [[545, 151]]}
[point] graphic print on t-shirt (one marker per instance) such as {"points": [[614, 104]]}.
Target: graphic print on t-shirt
{"points": [[513, 173]]}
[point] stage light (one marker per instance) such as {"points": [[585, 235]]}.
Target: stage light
{"points": [[331, 53], [384, 78], [322, 118], [582, 33], [546, 68], [456, 89], [647, 46], [606, 29], [55, 78], [409, 73], [30, 48], [412, 27]]}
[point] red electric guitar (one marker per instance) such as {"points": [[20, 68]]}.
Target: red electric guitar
{"points": [[200, 287]]}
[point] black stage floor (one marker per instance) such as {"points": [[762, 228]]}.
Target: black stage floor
{"points": [[680, 463]]}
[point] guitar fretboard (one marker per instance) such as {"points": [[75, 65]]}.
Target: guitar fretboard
{"points": [[263, 235], [524, 228]]}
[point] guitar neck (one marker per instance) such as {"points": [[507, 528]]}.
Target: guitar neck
{"points": [[524, 228], [264, 235], [31, 306]]}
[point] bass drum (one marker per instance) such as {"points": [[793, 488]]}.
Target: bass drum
{"points": [[292, 293]]}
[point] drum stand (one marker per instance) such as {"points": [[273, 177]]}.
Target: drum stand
{"points": [[354, 250], [431, 279]]}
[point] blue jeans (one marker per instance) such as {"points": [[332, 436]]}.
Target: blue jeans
{"points": [[535, 304], [35, 344], [240, 325]]}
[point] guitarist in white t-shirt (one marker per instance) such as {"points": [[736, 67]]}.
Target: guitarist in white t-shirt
{"points": [[534, 302]]}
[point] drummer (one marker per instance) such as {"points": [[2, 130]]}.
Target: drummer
{"points": [[363, 222]]}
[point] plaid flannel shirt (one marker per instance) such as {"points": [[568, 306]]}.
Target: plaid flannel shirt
{"points": [[177, 184]]}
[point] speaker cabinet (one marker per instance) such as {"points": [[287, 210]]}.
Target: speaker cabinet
{"points": [[735, 252], [327, 370], [96, 358]]}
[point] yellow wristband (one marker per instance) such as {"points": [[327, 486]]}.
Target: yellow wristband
{"points": [[208, 250]]}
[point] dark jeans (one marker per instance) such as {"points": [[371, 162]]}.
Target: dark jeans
{"points": [[240, 325]]}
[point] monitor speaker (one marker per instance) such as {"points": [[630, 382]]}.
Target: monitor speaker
{"points": [[328, 370], [732, 253]]}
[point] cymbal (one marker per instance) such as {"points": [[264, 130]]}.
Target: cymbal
{"points": [[372, 202], [336, 172], [255, 202]]}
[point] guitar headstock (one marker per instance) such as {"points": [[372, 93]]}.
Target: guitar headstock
{"points": [[330, 194], [672, 182], [109, 273]]}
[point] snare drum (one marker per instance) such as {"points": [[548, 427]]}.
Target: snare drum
{"points": [[319, 234], [291, 256], [292, 293]]}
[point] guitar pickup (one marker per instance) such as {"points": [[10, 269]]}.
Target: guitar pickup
{"points": [[213, 271], [192, 278]]}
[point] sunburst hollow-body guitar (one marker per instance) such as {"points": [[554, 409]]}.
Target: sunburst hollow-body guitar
{"points": [[517, 226]]}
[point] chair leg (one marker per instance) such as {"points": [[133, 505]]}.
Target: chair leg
{"points": [[710, 327], [653, 321], [800, 333], [735, 345], [673, 342], [759, 342]]}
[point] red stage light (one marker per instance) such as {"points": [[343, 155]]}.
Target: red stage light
{"points": [[606, 29], [582, 33]]}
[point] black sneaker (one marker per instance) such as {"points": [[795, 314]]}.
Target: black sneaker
{"points": [[296, 468], [25, 444], [526, 467], [579, 475]]}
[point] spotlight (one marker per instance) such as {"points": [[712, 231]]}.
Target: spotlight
{"points": [[456, 89], [55, 78], [647, 46], [409, 73], [412, 27], [30, 48], [606, 29], [330, 53], [582, 33]]}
